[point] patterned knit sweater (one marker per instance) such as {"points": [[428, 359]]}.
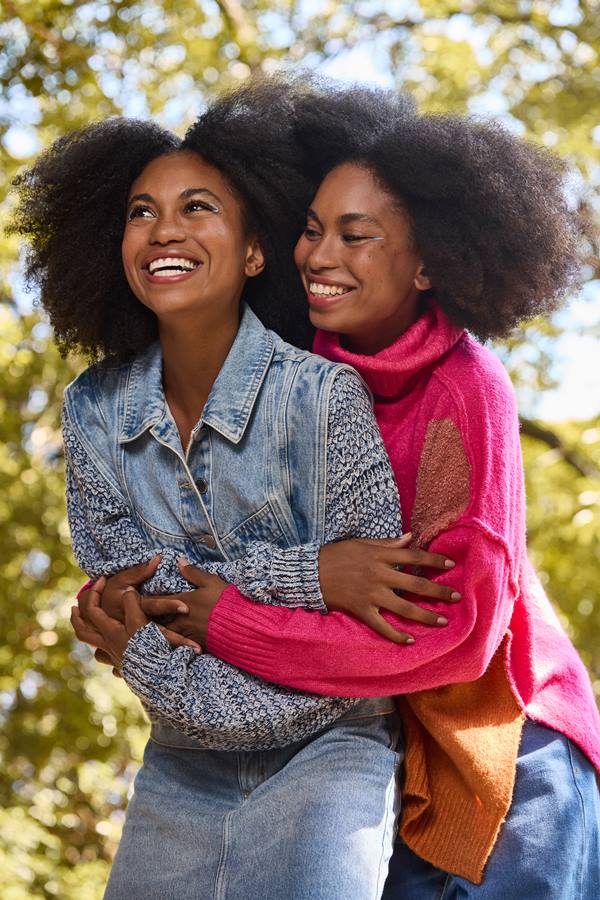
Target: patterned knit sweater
{"points": [[448, 417], [210, 700]]}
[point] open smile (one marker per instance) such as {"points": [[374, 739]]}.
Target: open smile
{"points": [[170, 268], [322, 294]]}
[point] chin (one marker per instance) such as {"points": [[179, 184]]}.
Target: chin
{"points": [[323, 320]]}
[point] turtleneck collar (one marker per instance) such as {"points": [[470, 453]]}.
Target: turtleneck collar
{"points": [[390, 372]]}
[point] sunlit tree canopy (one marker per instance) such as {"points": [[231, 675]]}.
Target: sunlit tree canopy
{"points": [[71, 735]]}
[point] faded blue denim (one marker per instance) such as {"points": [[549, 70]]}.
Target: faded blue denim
{"points": [[549, 846], [313, 821], [269, 469]]}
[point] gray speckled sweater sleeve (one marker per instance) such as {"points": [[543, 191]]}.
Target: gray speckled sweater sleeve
{"points": [[217, 704], [360, 482]]}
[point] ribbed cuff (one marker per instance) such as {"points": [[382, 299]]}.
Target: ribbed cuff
{"points": [[297, 580]]}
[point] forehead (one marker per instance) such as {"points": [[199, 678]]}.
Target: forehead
{"points": [[352, 188], [177, 172]]}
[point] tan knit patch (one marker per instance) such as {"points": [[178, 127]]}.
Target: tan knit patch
{"points": [[461, 746], [443, 482]]}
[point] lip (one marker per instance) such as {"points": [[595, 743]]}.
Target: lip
{"points": [[170, 279]]}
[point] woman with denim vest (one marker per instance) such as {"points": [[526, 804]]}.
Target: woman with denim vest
{"points": [[431, 226], [202, 437]]}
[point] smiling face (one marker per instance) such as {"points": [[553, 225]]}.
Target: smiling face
{"points": [[357, 261], [184, 245]]}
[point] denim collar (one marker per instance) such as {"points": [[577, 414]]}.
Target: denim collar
{"points": [[232, 397]]}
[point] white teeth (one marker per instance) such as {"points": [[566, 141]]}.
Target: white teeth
{"points": [[171, 265], [327, 290]]}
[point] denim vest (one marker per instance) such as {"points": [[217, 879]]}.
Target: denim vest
{"points": [[255, 467]]}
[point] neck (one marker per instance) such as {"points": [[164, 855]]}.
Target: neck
{"points": [[193, 354]]}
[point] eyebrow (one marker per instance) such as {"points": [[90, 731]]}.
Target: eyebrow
{"points": [[185, 195], [347, 218]]}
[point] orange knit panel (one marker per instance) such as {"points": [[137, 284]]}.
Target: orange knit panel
{"points": [[461, 746], [443, 482]]}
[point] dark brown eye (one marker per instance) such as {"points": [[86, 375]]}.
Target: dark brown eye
{"points": [[311, 233], [138, 212], [200, 206]]}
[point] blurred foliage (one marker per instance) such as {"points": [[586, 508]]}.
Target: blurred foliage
{"points": [[71, 735], [564, 534]]}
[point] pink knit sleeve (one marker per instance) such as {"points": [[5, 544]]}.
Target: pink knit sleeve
{"points": [[340, 656], [469, 506]]}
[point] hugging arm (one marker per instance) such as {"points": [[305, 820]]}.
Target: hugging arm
{"points": [[475, 520], [224, 707], [208, 699]]}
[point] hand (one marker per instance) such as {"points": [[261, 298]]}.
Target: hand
{"points": [[102, 631], [199, 603], [115, 587], [359, 577]]}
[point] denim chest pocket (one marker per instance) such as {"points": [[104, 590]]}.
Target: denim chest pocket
{"points": [[172, 513], [262, 525]]}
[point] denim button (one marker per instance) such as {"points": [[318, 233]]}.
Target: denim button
{"points": [[208, 540], [198, 435], [201, 485]]}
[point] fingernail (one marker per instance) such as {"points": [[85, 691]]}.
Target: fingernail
{"points": [[182, 609], [449, 564], [183, 561], [455, 596], [406, 536], [409, 640], [442, 620]]}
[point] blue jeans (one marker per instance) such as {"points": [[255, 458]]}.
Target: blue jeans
{"points": [[313, 821], [549, 846]]}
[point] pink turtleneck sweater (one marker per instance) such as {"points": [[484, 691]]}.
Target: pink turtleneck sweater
{"points": [[448, 417]]}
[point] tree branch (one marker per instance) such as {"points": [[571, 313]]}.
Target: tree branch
{"points": [[581, 465]]}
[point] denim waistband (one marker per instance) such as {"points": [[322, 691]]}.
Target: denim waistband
{"points": [[370, 706]]}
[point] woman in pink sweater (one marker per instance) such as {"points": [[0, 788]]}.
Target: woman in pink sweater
{"points": [[437, 226], [425, 228]]}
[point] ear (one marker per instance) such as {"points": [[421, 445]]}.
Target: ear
{"points": [[422, 281], [255, 259]]}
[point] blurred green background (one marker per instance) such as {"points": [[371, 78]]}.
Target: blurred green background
{"points": [[71, 735]]}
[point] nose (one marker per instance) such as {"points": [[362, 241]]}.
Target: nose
{"points": [[167, 229], [323, 254]]}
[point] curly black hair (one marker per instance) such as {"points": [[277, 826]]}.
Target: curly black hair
{"points": [[489, 212], [72, 204], [71, 210], [248, 135]]}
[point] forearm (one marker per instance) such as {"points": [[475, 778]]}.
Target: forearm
{"points": [[221, 707], [278, 576], [336, 654]]}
